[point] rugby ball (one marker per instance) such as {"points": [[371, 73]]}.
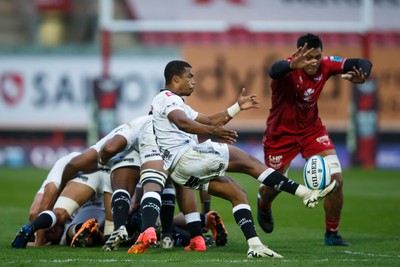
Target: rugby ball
{"points": [[316, 173]]}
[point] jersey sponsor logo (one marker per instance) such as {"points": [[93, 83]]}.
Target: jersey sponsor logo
{"points": [[119, 160], [173, 104], [308, 94], [324, 140], [306, 105], [275, 161], [336, 59], [318, 79], [166, 155], [83, 178], [154, 154]]}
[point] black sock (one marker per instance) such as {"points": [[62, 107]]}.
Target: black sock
{"points": [[206, 206], [203, 219], [150, 209], [167, 210], [45, 219], [278, 181], [195, 229], [181, 237], [120, 202], [244, 219]]}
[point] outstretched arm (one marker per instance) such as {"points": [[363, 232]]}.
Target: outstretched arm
{"points": [[299, 60], [186, 124]]}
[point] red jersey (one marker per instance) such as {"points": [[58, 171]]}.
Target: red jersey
{"points": [[294, 98]]}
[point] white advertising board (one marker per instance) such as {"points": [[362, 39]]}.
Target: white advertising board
{"points": [[53, 92]]}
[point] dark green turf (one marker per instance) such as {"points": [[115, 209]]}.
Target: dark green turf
{"points": [[370, 221]]}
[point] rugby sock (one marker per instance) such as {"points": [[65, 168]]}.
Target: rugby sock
{"points": [[150, 209], [193, 223], [203, 218], [120, 202], [274, 179], [206, 209], [244, 219], [332, 225], [45, 219], [167, 210]]}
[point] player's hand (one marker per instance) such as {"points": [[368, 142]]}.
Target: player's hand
{"points": [[355, 76], [299, 58], [247, 101], [228, 135]]}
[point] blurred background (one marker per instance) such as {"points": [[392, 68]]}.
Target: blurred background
{"points": [[71, 70]]}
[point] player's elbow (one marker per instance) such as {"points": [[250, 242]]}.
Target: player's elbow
{"points": [[114, 145]]}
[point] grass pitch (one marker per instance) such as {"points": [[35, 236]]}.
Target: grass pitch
{"points": [[370, 221]]}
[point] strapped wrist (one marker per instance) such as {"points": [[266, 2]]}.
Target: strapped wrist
{"points": [[233, 110]]}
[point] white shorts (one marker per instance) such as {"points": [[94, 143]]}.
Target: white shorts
{"points": [[200, 164], [148, 148], [99, 181], [141, 152], [129, 158]]}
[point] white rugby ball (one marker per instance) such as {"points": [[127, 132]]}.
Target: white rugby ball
{"points": [[316, 173]]}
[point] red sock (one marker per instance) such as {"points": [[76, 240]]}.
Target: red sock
{"points": [[332, 225]]}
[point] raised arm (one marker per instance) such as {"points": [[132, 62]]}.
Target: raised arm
{"points": [[244, 102]]}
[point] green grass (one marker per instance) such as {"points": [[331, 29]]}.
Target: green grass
{"points": [[370, 221]]}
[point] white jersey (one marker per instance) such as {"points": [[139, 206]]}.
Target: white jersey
{"points": [[130, 131], [172, 141], [56, 171], [141, 145]]}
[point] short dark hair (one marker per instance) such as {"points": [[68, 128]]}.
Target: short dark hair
{"points": [[175, 67], [313, 41]]}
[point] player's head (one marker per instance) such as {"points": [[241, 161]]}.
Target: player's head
{"points": [[175, 67], [312, 41], [179, 77]]}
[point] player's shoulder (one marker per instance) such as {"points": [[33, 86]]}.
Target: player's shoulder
{"points": [[333, 59]]}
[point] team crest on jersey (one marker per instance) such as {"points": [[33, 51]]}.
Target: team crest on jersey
{"points": [[275, 161], [335, 58], [324, 140], [308, 94]]}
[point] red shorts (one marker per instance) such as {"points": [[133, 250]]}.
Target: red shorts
{"points": [[281, 150]]}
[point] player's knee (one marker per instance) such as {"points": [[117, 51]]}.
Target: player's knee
{"points": [[335, 169], [239, 196], [64, 208], [61, 215], [339, 180]]}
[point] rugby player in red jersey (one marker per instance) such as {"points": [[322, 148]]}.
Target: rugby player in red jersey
{"points": [[294, 126]]}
